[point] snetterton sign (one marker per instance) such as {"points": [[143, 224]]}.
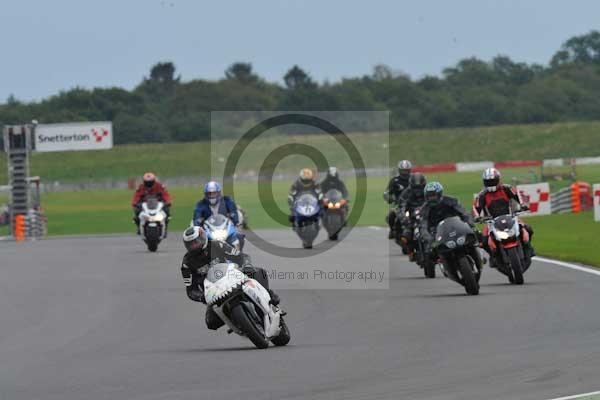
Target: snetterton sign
{"points": [[75, 136]]}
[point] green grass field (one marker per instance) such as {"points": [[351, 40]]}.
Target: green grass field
{"points": [[567, 237], [530, 142]]}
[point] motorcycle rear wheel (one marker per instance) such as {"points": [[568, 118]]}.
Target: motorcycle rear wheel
{"points": [[247, 324]]}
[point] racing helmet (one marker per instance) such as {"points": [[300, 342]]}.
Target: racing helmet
{"points": [[332, 172], [417, 181], [404, 168], [212, 192], [306, 176], [194, 238], [149, 178], [434, 191], [491, 179]]}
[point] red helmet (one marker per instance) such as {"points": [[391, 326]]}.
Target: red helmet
{"points": [[491, 179]]}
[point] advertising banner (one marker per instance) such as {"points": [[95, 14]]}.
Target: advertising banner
{"points": [[74, 136]]}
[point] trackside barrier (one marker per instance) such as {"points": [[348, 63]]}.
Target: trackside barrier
{"points": [[597, 202], [537, 196], [573, 199], [19, 228]]}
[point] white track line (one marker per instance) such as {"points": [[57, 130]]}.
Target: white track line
{"points": [[578, 396], [576, 267]]}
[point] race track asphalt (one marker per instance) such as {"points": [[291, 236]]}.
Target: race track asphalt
{"points": [[102, 318]]}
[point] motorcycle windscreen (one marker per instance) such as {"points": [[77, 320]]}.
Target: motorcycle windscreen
{"points": [[217, 272], [152, 203], [334, 196], [306, 205], [503, 223], [451, 229]]}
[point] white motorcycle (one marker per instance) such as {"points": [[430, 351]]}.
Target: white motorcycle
{"points": [[153, 222], [243, 304]]}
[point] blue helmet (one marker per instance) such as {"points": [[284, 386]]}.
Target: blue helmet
{"points": [[212, 192], [433, 193]]}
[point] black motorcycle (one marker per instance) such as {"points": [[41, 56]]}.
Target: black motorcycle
{"points": [[335, 213], [456, 244], [424, 259]]}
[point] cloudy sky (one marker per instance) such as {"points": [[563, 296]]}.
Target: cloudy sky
{"points": [[48, 46]]}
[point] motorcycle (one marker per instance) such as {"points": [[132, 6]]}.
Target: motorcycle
{"points": [[334, 216], [153, 223], [456, 245], [220, 228], [306, 212], [243, 304], [506, 239], [424, 260]]}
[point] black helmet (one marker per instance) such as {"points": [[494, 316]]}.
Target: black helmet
{"points": [[194, 238], [417, 181], [404, 168]]}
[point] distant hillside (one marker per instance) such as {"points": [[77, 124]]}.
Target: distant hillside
{"points": [[422, 146]]}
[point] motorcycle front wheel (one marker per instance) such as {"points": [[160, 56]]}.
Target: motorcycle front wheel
{"points": [[468, 277], [249, 326], [516, 265]]}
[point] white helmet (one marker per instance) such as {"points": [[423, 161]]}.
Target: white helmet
{"points": [[491, 179], [195, 238]]}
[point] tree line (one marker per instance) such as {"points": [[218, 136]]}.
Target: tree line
{"points": [[163, 108]]}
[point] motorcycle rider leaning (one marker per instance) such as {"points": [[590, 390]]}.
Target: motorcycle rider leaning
{"points": [[437, 208], [149, 187], [214, 203], [394, 189], [411, 199], [332, 181], [201, 252], [304, 183], [496, 199]]}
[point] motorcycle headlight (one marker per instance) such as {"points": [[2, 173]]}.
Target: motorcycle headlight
{"points": [[503, 235], [330, 205], [220, 235], [157, 218], [337, 205], [450, 244], [461, 240]]}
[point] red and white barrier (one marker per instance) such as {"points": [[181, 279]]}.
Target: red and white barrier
{"points": [[482, 165], [537, 196], [597, 202]]}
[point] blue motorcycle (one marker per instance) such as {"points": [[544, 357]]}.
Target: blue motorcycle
{"points": [[219, 227], [307, 212]]}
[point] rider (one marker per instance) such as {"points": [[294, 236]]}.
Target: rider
{"points": [[304, 183], [497, 199], [149, 187], [411, 199], [201, 251], [394, 188], [437, 208], [332, 181], [214, 203]]}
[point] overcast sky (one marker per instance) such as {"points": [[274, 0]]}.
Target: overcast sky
{"points": [[52, 45]]}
